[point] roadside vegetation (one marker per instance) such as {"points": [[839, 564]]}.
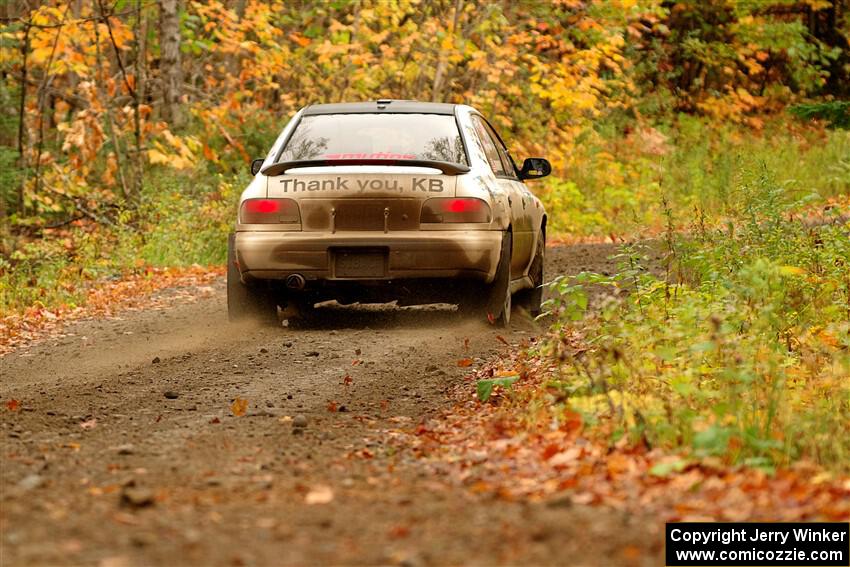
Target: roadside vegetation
{"points": [[736, 347], [713, 130]]}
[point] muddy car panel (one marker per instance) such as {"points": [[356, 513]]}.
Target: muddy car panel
{"points": [[378, 222]]}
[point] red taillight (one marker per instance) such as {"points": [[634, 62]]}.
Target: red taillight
{"points": [[262, 206], [267, 211], [463, 205], [463, 209]]}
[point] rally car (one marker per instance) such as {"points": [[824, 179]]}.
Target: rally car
{"points": [[409, 201]]}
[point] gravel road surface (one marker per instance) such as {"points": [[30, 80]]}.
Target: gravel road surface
{"points": [[126, 451]]}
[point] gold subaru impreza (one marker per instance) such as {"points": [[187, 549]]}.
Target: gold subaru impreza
{"points": [[390, 200]]}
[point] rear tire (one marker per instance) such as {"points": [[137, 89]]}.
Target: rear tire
{"points": [[246, 301], [495, 301], [531, 299]]}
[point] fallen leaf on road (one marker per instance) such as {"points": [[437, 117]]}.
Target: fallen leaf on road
{"points": [[100, 490], [320, 494], [668, 466], [125, 518], [13, 405], [502, 340], [239, 407], [332, 407], [399, 532], [89, 424], [618, 464], [632, 552], [550, 451], [571, 421], [564, 458], [348, 380], [464, 362]]}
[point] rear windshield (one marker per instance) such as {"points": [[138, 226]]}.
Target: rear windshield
{"points": [[376, 136]]}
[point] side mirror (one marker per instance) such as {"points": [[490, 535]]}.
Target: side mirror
{"points": [[256, 165], [535, 168]]}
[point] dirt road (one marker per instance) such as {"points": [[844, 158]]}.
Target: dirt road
{"points": [[125, 450]]}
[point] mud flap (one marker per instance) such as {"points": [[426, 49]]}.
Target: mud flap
{"points": [[531, 299], [245, 301]]}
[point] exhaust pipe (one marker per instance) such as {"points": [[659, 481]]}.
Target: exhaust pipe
{"points": [[295, 281]]}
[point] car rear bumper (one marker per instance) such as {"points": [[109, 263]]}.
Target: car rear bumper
{"points": [[470, 254]]}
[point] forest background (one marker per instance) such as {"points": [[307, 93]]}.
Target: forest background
{"points": [[127, 126]]}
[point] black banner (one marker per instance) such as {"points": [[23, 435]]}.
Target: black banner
{"points": [[814, 544]]}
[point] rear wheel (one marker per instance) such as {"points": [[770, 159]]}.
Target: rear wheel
{"points": [[531, 299], [495, 301], [246, 301]]}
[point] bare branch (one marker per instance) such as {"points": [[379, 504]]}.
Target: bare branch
{"points": [[105, 18]]}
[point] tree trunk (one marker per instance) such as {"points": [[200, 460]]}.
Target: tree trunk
{"points": [[825, 25], [171, 70], [107, 104], [22, 130], [442, 63], [139, 94]]}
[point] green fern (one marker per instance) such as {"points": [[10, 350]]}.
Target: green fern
{"points": [[835, 113]]}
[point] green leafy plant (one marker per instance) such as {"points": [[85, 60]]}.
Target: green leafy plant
{"points": [[484, 387]]}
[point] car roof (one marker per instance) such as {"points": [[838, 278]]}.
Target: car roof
{"points": [[381, 106]]}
